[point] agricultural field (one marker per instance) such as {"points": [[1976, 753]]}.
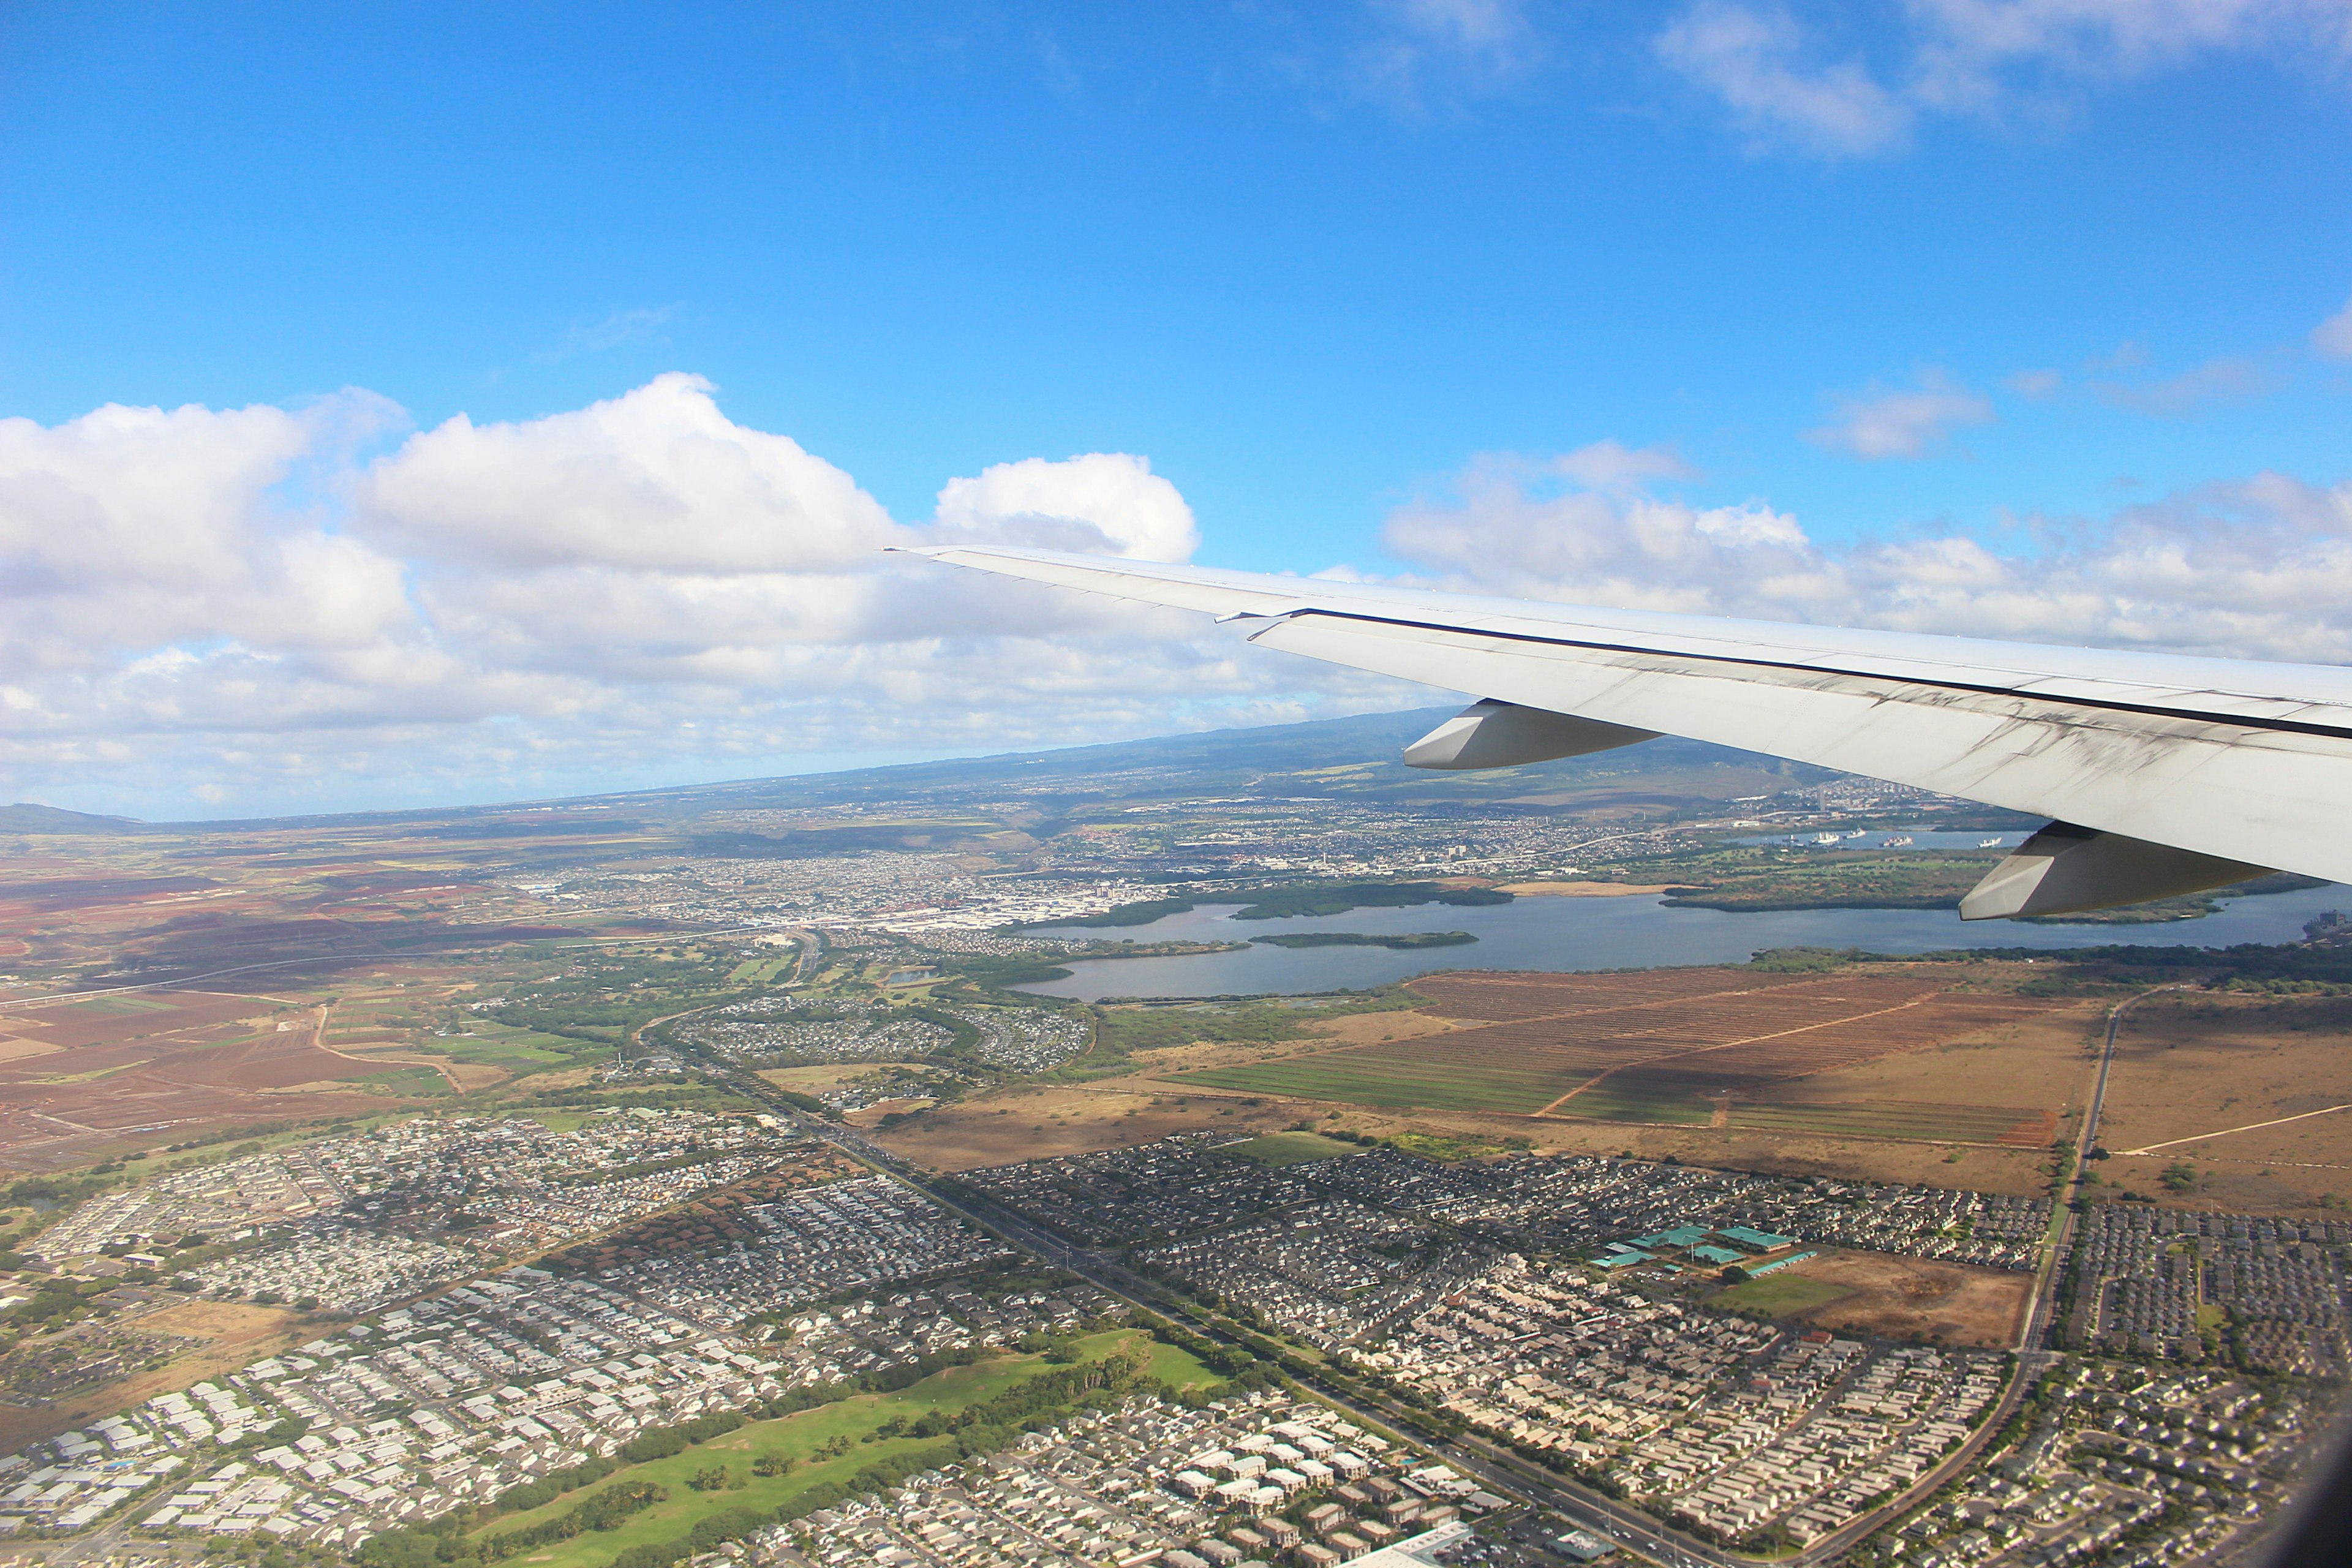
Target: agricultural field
{"points": [[2191, 1066], [1735, 1049], [92, 1078]]}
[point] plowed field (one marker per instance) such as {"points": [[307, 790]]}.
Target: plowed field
{"points": [[1687, 1047], [113, 1072]]}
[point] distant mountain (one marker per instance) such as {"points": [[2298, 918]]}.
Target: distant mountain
{"points": [[27, 818], [1353, 758]]}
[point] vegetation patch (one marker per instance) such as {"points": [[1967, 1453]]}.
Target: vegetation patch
{"points": [[1406, 942], [1280, 1148], [738, 1481], [1778, 1295]]}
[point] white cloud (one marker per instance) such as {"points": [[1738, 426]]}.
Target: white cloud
{"points": [[658, 478], [1883, 423], [1754, 60], [1990, 58], [1610, 466], [1512, 535], [2259, 567], [2332, 339], [240, 602], [2035, 384], [1105, 501]]}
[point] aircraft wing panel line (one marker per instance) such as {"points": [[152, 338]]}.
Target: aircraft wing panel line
{"points": [[2266, 797], [2339, 727], [2239, 759], [2234, 688]]}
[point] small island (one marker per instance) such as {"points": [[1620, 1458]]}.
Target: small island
{"points": [[1407, 942]]}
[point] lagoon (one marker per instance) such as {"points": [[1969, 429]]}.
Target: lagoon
{"points": [[1631, 932]]}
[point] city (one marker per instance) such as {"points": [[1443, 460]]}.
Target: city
{"points": [[1489, 1296]]}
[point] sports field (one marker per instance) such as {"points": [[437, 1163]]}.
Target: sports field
{"points": [[1778, 1295], [1280, 1148]]}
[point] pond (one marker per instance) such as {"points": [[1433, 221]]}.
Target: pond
{"points": [[1632, 932]]}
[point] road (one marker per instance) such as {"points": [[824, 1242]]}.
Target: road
{"points": [[1495, 1467], [1492, 1466], [2249, 1127]]}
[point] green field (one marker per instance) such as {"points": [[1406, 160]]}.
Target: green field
{"points": [[1777, 1295], [761, 971], [801, 1436], [405, 1079], [517, 1050], [1280, 1148], [1888, 1118], [558, 1120], [1385, 1076], [1627, 1098]]}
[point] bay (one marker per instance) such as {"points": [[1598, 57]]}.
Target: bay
{"points": [[1633, 931]]}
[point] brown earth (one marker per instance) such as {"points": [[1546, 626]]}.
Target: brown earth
{"points": [[1583, 890], [1495, 997], [815, 1080], [1900, 1298], [2200, 1062], [130, 1071], [1591, 1045], [1041, 1123], [230, 1336], [1862, 1055]]}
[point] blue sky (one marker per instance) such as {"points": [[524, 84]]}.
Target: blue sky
{"points": [[1989, 271]]}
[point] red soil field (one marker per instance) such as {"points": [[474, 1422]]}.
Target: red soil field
{"points": [[140, 1068], [1498, 998]]}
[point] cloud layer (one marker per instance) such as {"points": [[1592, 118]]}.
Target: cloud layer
{"points": [[244, 606], [2259, 567], [638, 584]]}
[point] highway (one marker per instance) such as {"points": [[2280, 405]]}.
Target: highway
{"points": [[1496, 1468]]}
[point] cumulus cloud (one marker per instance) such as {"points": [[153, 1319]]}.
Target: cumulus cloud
{"points": [[271, 609], [1788, 84], [509, 608], [659, 478], [1109, 502], [1898, 423], [2258, 567]]}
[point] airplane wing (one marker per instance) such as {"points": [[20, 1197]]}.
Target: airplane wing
{"points": [[2163, 773]]}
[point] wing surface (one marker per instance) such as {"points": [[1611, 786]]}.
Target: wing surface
{"points": [[2235, 759]]}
